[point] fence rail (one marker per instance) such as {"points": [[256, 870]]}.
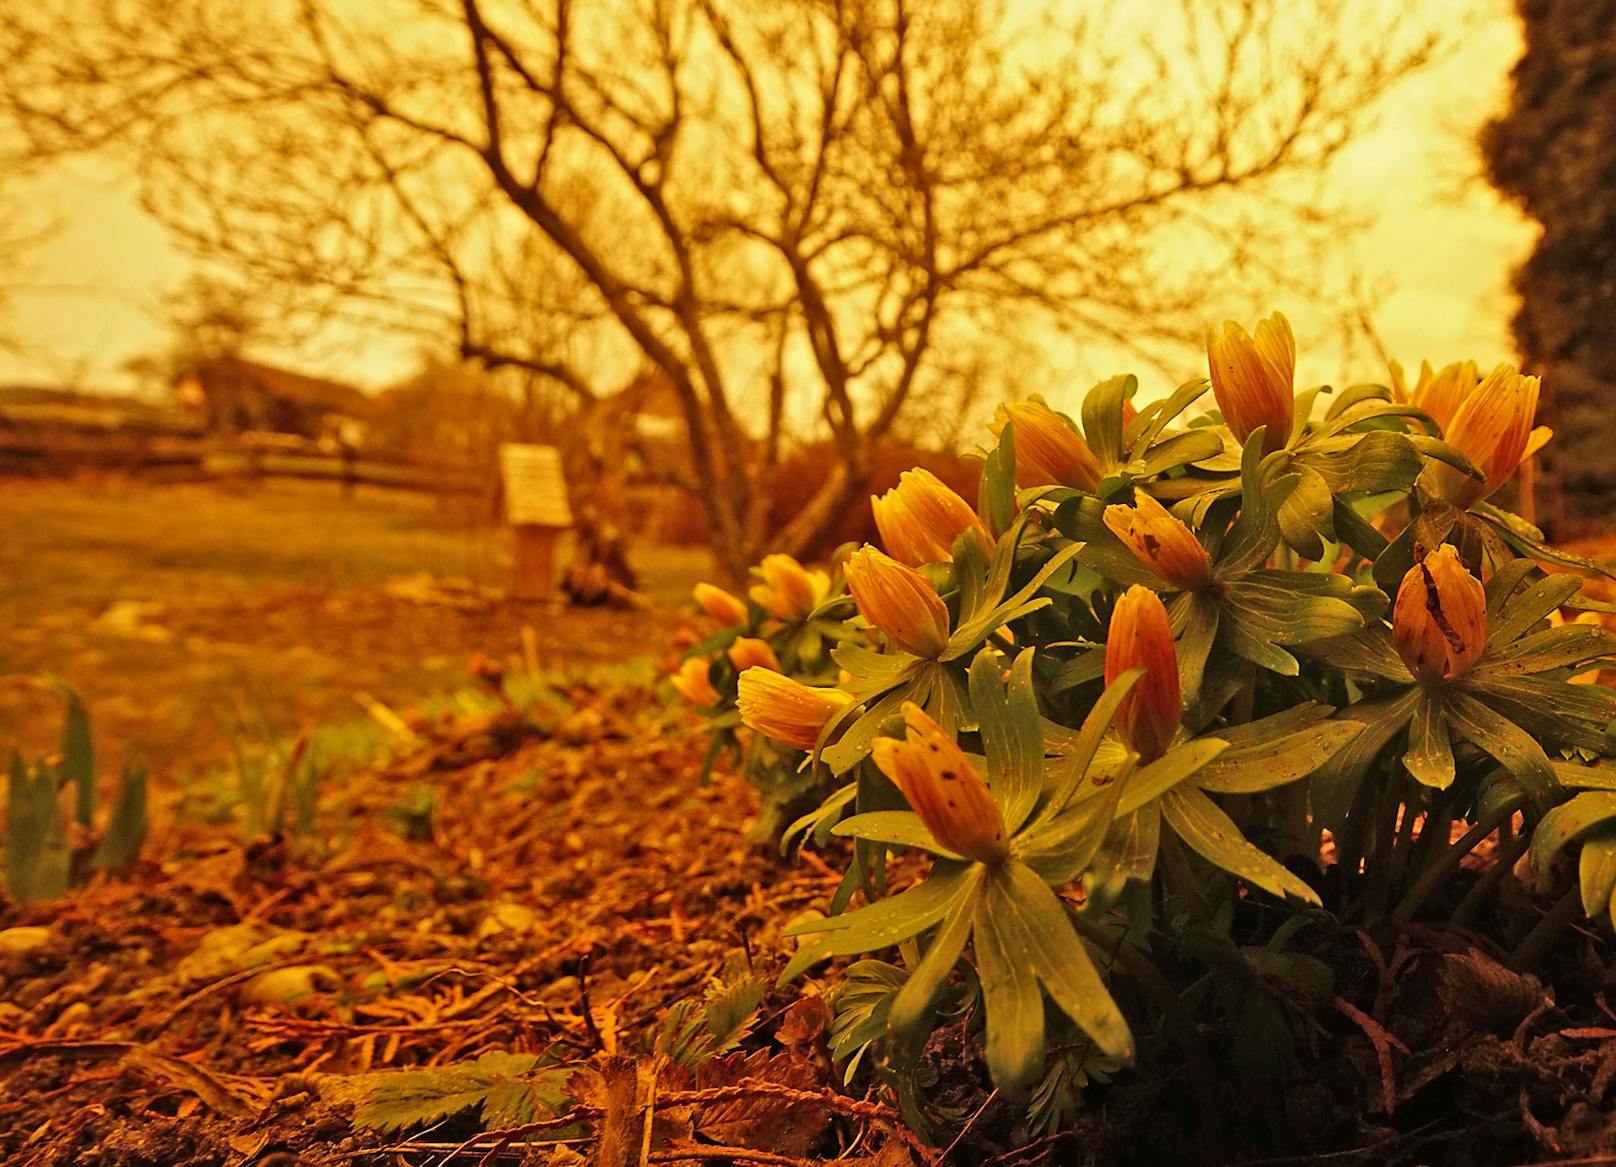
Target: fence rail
{"points": [[175, 457]]}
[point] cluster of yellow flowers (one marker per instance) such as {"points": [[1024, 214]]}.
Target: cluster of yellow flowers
{"points": [[1438, 622]]}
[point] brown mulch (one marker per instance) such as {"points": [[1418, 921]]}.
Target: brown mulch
{"points": [[556, 884], [570, 885]]}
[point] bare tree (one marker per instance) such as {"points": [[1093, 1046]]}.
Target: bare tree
{"points": [[805, 215]]}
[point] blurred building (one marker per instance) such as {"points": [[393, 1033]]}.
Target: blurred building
{"points": [[237, 396]]}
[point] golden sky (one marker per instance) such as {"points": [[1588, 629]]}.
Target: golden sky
{"points": [[1436, 244]]}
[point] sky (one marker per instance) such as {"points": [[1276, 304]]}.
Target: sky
{"points": [[1436, 245]]}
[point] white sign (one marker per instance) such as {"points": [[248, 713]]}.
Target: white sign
{"points": [[535, 489]]}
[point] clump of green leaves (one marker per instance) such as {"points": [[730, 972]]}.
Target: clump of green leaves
{"points": [[502, 1089], [51, 813]]}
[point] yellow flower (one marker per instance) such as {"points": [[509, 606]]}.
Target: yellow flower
{"points": [[1253, 378], [1049, 450], [749, 652], [1440, 394], [789, 591], [920, 518], [897, 599], [693, 683], [1160, 541], [1439, 623], [943, 788], [1141, 637], [1493, 428], [728, 609], [788, 711]]}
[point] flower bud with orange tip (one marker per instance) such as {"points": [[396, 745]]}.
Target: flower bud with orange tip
{"points": [[748, 652], [725, 607], [693, 683], [1161, 542], [920, 518], [943, 788], [1441, 394], [789, 591], [1049, 451], [1140, 636], [1493, 428], [785, 710], [899, 601], [1253, 379], [1439, 623]]}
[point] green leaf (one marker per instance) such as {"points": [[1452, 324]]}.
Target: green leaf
{"points": [[899, 828], [1553, 648], [1306, 512], [821, 819], [1335, 784], [973, 632], [1078, 751], [1179, 450], [1102, 417], [1522, 611], [1174, 767], [1011, 733], [1562, 824], [1255, 532], [1367, 463], [1596, 874], [1507, 742], [1549, 708], [885, 922], [1580, 777], [1010, 994], [1128, 853], [1367, 654], [1036, 929], [1269, 608], [1279, 754], [1209, 832], [910, 1018], [1528, 540], [1197, 619], [996, 497], [78, 754], [126, 826], [394, 1100], [1357, 532], [37, 857], [1430, 753], [856, 742], [1060, 846]]}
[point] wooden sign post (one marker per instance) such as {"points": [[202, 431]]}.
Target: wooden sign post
{"points": [[537, 510]]}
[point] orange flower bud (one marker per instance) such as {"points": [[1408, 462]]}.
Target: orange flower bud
{"points": [[728, 609], [943, 788], [1049, 450], [789, 591], [1441, 394], [1160, 541], [899, 601], [1141, 636], [1493, 428], [920, 518], [1439, 623], [788, 711], [693, 683], [1252, 378], [751, 653]]}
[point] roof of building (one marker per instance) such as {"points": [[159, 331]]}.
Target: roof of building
{"points": [[285, 385]]}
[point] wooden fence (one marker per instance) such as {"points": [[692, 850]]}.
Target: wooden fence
{"points": [[29, 453]]}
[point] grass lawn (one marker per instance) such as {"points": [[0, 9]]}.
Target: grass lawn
{"points": [[185, 613]]}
